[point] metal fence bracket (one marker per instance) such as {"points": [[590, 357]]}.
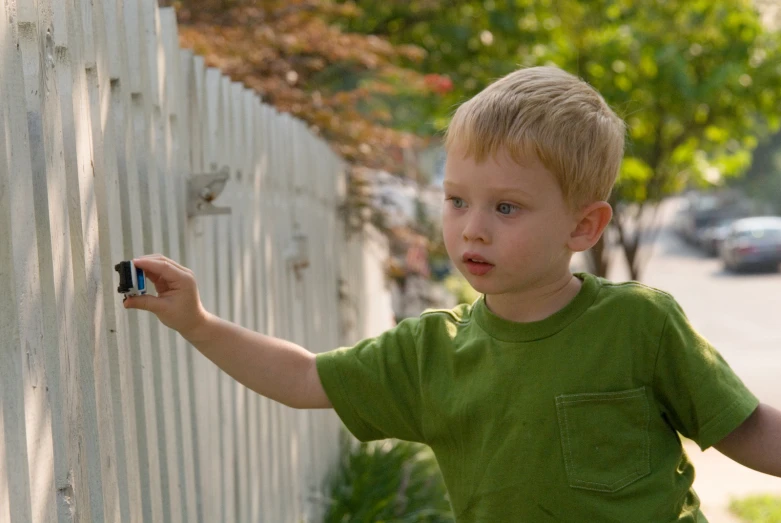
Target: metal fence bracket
{"points": [[203, 189]]}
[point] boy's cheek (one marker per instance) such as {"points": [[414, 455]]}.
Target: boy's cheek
{"points": [[451, 244]]}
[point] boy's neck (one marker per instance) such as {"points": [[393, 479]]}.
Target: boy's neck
{"points": [[535, 304]]}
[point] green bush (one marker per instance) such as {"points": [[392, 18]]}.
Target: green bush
{"points": [[758, 509], [457, 285], [387, 481]]}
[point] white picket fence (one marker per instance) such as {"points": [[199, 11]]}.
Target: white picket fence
{"points": [[105, 414]]}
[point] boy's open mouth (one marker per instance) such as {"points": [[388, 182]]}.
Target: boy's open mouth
{"points": [[476, 264]]}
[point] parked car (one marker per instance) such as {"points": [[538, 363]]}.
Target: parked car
{"points": [[753, 242], [712, 236], [702, 212]]}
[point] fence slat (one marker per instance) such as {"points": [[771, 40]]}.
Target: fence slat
{"points": [[140, 230], [290, 444], [23, 397], [123, 214], [255, 261], [264, 231], [97, 236], [214, 488], [278, 421], [192, 251], [199, 257], [223, 280], [240, 288], [302, 282], [160, 185], [181, 356]]}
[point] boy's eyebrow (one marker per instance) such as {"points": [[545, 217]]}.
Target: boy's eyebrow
{"points": [[501, 190]]}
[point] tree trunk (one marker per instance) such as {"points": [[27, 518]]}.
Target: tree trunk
{"points": [[637, 233], [598, 256]]}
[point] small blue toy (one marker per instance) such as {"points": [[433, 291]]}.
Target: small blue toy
{"points": [[131, 279]]}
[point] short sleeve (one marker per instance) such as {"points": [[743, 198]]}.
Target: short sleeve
{"points": [[701, 396], [374, 386]]}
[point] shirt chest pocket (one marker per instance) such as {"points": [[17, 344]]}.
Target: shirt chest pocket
{"points": [[604, 438]]}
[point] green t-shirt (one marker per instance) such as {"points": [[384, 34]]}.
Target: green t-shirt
{"points": [[572, 418]]}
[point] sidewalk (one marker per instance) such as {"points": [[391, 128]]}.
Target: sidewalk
{"points": [[719, 479]]}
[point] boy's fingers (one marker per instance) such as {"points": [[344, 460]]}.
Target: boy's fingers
{"points": [[144, 303], [161, 267], [169, 260], [156, 279], [177, 265]]}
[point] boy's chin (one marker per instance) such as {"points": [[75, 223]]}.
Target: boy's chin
{"points": [[498, 286], [481, 285]]}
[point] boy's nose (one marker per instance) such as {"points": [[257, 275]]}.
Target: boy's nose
{"points": [[475, 229]]}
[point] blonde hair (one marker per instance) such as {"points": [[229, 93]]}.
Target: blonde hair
{"points": [[547, 113]]}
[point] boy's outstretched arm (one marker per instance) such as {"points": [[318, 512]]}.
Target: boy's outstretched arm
{"points": [[757, 442], [272, 367]]}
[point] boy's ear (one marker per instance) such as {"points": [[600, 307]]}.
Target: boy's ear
{"points": [[591, 223]]}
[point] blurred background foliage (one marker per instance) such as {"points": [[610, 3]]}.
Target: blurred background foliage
{"points": [[387, 481], [757, 509], [294, 54], [697, 81]]}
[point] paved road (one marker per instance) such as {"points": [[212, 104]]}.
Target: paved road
{"points": [[741, 316]]}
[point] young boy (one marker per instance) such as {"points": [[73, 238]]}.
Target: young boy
{"points": [[554, 397]]}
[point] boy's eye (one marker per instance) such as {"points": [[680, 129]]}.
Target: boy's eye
{"points": [[457, 203], [506, 208]]}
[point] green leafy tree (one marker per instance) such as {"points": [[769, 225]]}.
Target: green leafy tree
{"points": [[697, 82], [468, 44], [762, 182]]}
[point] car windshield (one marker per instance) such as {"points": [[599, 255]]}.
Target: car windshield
{"points": [[761, 234]]}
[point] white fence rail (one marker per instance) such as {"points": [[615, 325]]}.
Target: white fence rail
{"points": [[106, 415]]}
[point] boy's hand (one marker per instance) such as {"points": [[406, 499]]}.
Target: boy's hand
{"points": [[177, 303]]}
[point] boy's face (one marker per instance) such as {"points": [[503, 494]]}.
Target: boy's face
{"points": [[506, 226]]}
